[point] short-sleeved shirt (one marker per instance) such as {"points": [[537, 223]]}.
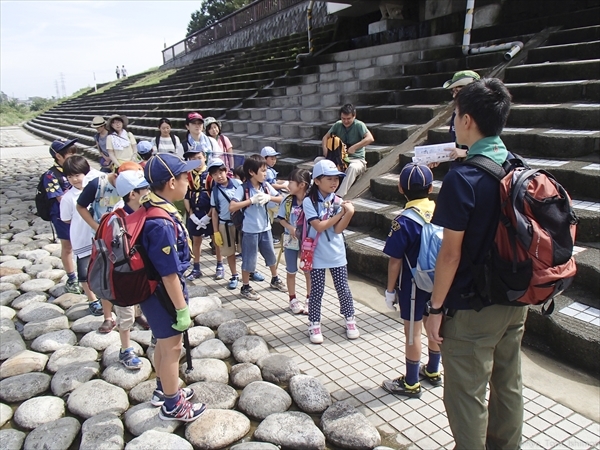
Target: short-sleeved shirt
{"points": [[81, 234], [271, 175], [256, 218], [351, 135], [330, 251], [468, 201], [295, 211], [165, 145], [198, 197], [108, 199], [128, 146], [404, 241], [101, 141], [55, 187], [218, 200]]}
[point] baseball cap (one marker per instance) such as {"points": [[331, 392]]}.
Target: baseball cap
{"points": [[193, 116], [327, 168], [129, 165], [461, 78], [60, 145], [268, 151], [216, 162], [144, 147], [98, 121], [193, 150], [415, 176], [164, 166], [129, 180]]}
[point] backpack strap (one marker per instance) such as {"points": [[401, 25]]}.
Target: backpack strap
{"points": [[102, 180], [157, 139], [488, 166], [174, 142]]}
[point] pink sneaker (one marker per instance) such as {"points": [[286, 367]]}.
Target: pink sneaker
{"points": [[351, 328], [314, 332], [296, 306]]}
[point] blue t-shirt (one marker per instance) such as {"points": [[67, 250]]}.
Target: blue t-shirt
{"points": [[330, 251], [218, 200], [271, 175], [256, 218], [468, 201], [107, 199], [55, 187]]}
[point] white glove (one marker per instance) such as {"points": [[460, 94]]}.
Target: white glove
{"points": [[256, 198], [260, 198], [390, 300], [194, 219], [203, 222]]}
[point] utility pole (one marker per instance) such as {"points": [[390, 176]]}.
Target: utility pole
{"points": [[62, 83], [95, 85], [57, 92]]}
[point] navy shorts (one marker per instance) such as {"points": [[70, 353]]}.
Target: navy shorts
{"points": [[420, 306], [82, 268], [159, 319], [203, 232], [62, 229]]}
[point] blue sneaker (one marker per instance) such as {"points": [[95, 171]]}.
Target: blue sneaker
{"points": [[233, 283], [129, 359], [96, 308], [194, 275], [220, 273], [257, 276]]}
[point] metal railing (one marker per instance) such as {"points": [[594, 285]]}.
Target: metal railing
{"points": [[227, 26]]}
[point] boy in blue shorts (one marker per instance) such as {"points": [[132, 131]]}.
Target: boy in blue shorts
{"points": [[252, 196], [226, 237], [167, 246], [403, 243], [57, 185]]}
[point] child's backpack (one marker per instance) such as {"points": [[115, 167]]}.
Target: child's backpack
{"points": [[531, 260], [43, 204], [289, 241], [119, 269], [336, 152], [431, 242]]}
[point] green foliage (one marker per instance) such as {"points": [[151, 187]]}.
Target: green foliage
{"points": [[154, 77], [12, 113], [211, 11]]}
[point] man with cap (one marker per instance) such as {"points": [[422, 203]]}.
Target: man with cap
{"points": [[402, 246], [355, 134], [167, 245], [56, 185], [458, 81], [99, 124]]}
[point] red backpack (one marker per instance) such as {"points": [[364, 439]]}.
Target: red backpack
{"points": [[119, 270], [531, 260]]}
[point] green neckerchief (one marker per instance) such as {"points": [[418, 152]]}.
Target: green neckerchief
{"points": [[491, 147], [422, 206]]}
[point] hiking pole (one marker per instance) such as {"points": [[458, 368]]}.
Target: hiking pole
{"points": [[280, 253], [188, 353], [411, 325]]}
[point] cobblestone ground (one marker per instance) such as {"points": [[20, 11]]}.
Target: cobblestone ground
{"points": [[353, 370]]}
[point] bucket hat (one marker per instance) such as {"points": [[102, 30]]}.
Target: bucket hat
{"points": [[461, 78]]}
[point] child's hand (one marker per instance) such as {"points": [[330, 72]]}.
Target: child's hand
{"points": [[195, 219], [348, 207], [184, 320], [390, 300], [203, 222]]}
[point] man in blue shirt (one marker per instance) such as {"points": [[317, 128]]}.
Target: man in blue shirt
{"points": [[480, 342]]}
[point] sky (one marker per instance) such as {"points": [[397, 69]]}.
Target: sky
{"points": [[40, 40]]}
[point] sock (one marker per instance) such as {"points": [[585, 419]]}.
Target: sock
{"points": [[197, 266], [274, 279], [412, 372], [234, 275], [171, 401], [72, 277], [158, 384], [219, 264], [292, 297], [245, 287], [433, 365]]}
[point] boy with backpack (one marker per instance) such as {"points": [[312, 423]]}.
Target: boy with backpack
{"points": [[226, 237], [402, 246], [252, 197], [166, 244], [51, 189]]}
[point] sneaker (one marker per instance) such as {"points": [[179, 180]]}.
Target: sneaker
{"points": [[153, 341], [129, 359], [276, 242], [220, 273], [279, 285], [158, 396], [305, 312], [435, 379], [73, 287], [399, 387], [238, 256], [107, 326], [183, 411], [351, 328], [314, 332], [233, 283], [249, 293], [96, 308], [296, 306], [257, 276], [194, 275]]}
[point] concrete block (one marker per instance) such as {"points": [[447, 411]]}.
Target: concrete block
{"points": [[258, 114], [273, 114], [328, 77], [309, 89], [347, 65], [386, 60], [350, 86], [324, 68], [288, 115], [311, 100], [309, 115], [294, 90], [363, 63], [328, 88], [271, 128], [250, 144], [365, 74], [330, 100], [346, 75], [309, 130], [290, 130], [254, 127], [241, 126]]}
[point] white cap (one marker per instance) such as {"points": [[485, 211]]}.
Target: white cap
{"points": [[327, 168], [268, 151]]}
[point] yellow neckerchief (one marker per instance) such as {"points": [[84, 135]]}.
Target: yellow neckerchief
{"points": [[154, 200], [197, 178], [422, 206]]}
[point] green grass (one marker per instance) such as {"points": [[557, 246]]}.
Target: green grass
{"points": [[10, 116], [107, 86], [153, 77]]}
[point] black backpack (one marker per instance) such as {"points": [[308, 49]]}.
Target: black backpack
{"points": [[43, 204]]}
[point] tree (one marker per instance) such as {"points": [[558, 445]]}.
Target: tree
{"points": [[211, 11]]}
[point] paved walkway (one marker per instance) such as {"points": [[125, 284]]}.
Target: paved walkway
{"points": [[354, 370]]}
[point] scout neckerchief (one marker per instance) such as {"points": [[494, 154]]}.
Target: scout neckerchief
{"points": [[491, 147], [154, 200], [195, 179], [422, 206]]}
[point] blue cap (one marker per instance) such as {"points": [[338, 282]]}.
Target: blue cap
{"points": [[269, 151], [164, 166], [144, 147], [327, 168], [415, 177], [216, 162], [60, 145], [128, 180]]}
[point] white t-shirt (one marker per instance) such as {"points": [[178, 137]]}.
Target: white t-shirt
{"points": [[81, 233], [165, 145]]}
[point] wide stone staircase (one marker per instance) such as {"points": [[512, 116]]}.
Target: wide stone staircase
{"points": [[265, 98]]}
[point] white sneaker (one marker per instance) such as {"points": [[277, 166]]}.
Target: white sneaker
{"points": [[351, 328], [314, 332], [296, 306]]}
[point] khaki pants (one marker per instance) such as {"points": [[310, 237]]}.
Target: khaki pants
{"points": [[480, 348], [355, 169]]}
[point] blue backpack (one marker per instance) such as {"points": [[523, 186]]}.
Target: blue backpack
{"points": [[431, 241]]}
